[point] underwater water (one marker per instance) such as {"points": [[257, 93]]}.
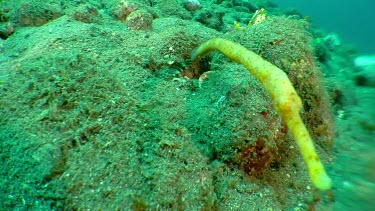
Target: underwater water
{"points": [[352, 20], [104, 106]]}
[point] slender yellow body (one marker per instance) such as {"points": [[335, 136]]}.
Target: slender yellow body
{"points": [[286, 101]]}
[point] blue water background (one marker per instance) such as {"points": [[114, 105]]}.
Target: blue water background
{"points": [[353, 20]]}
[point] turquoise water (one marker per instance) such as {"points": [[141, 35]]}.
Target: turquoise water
{"points": [[352, 20]]}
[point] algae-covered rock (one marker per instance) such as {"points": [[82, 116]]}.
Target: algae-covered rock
{"points": [[286, 42]]}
